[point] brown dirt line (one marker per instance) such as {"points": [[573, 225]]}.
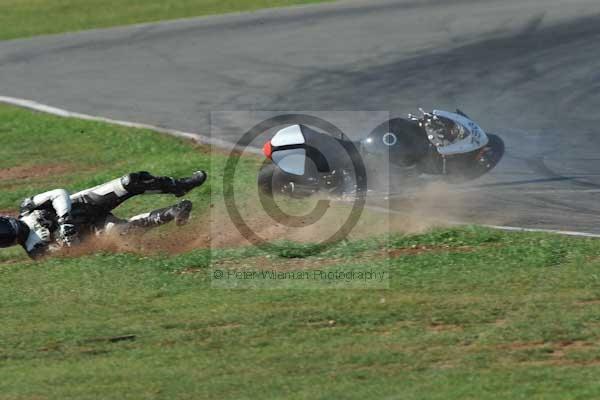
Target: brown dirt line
{"points": [[33, 171]]}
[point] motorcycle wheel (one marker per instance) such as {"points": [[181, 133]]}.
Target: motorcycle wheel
{"points": [[473, 165], [265, 179]]}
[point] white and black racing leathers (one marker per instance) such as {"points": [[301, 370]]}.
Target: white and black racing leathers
{"points": [[58, 217]]}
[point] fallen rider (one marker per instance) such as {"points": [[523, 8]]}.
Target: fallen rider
{"points": [[56, 219]]}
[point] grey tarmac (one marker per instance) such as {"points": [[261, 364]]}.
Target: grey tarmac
{"points": [[528, 71]]}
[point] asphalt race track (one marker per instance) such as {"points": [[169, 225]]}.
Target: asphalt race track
{"points": [[528, 71]]}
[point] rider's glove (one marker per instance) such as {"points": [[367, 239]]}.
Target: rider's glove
{"points": [[39, 236], [67, 233]]}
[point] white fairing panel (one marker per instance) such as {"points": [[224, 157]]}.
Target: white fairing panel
{"points": [[290, 161], [292, 135], [475, 140]]}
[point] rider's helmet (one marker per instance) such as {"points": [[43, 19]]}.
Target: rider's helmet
{"points": [[12, 231], [8, 233]]}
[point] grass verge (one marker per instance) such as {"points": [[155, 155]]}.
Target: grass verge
{"points": [[24, 18], [470, 313]]}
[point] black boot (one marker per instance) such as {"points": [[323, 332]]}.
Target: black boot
{"points": [[184, 185], [145, 182], [179, 212]]}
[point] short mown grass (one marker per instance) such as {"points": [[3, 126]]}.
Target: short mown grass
{"points": [[469, 313], [24, 18]]}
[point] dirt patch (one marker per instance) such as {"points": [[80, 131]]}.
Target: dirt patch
{"points": [[330, 323], [9, 213], [109, 244], [223, 327], [445, 328], [555, 346], [563, 363], [444, 365], [33, 171], [420, 249], [14, 261], [588, 303], [295, 264], [558, 352], [524, 345], [286, 264], [573, 344], [500, 323]]}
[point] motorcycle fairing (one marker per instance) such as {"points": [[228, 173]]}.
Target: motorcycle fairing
{"points": [[474, 140], [291, 135], [319, 151], [291, 161]]}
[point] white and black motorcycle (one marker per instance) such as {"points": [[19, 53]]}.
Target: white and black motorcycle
{"points": [[449, 146]]}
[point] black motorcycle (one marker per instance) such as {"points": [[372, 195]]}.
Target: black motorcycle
{"points": [[450, 146]]}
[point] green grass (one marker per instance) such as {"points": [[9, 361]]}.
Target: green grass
{"points": [[470, 313], [23, 18]]}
